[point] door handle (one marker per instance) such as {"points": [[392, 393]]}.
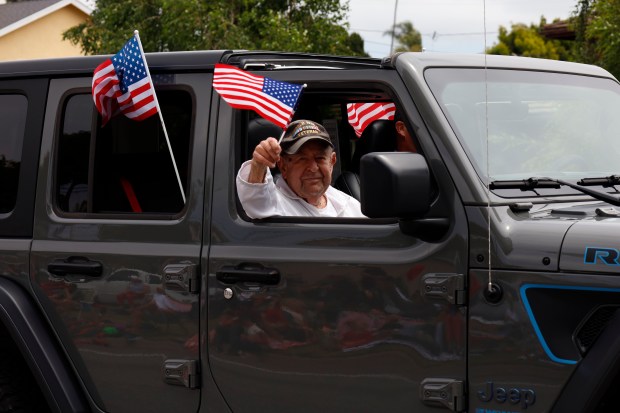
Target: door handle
{"points": [[75, 266], [251, 273]]}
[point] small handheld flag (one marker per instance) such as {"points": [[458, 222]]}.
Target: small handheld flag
{"points": [[272, 99], [361, 115], [122, 84]]}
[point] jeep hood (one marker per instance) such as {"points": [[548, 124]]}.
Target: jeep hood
{"points": [[551, 237], [592, 245], [591, 242]]}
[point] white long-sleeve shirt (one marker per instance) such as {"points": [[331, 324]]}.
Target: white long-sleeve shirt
{"points": [[268, 199]]}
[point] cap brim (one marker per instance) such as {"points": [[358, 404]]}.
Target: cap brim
{"points": [[291, 150]]}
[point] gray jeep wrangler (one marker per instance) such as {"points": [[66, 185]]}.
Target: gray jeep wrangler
{"points": [[486, 277]]}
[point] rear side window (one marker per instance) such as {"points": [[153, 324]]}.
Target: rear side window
{"points": [[123, 169], [13, 109]]}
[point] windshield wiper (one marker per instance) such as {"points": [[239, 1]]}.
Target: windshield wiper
{"points": [[581, 186], [525, 184], [605, 181]]}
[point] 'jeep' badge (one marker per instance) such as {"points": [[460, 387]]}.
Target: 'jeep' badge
{"points": [[515, 396]]}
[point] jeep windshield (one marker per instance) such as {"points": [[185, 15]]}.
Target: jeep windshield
{"points": [[518, 124]]}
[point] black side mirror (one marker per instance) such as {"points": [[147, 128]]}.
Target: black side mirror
{"points": [[394, 185]]}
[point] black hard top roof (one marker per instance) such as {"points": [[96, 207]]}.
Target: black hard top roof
{"points": [[183, 61], [72, 66]]}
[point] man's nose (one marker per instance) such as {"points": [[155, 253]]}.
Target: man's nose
{"points": [[313, 165]]}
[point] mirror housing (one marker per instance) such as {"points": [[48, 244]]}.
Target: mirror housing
{"points": [[394, 185]]}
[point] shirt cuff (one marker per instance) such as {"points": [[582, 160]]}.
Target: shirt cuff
{"points": [[244, 173]]}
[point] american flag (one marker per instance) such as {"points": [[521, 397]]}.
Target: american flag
{"points": [[361, 115], [272, 99], [122, 84]]}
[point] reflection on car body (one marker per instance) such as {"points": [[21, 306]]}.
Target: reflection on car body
{"points": [[124, 286]]}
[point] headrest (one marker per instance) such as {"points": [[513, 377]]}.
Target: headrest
{"points": [[260, 129], [379, 136]]}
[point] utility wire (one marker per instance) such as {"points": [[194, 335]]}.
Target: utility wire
{"points": [[435, 34]]}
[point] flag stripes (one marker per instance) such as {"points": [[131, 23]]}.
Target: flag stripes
{"points": [[361, 115], [271, 99], [121, 85]]}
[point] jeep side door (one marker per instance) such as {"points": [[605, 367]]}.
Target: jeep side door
{"points": [[115, 251], [334, 315], [22, 102]]}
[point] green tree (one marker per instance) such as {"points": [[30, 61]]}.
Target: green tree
{"points": [[599, 31], [315, 26], [408, 38], [356, 43], [527, 41], [581, 16]]}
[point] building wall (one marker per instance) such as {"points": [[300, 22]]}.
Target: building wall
{"points": [[43, 38]]}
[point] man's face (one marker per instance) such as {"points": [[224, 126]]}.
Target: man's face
{"points": [[404, 141], [309, 172]]}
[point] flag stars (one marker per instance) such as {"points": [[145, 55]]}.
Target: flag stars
{"points": [[128, 91], [285, 92], [128, 65]]}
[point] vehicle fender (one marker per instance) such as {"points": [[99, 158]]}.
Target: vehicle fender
{"points": [[595, 374], [39, 347]]}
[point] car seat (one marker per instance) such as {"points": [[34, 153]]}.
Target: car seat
{"points": [[379, 136], [260, 129]]}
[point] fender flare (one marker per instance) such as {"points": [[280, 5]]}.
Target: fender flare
{"points": [[584, 390], [39, 347]]}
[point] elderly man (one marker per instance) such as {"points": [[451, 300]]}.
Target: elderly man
{"points": [[306, 160]]}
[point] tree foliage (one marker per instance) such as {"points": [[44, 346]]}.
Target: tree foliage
{"points": [[597, 37], [314, 26], [580, 18], [598, 33], [527, 41], [409, 39]]}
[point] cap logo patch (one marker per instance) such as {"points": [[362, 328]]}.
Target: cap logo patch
{"points": [[305, 130]]}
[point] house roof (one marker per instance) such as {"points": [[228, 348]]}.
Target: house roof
{"points": [[16, 15], [561, 30]]}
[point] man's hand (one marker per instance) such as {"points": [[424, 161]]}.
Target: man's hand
{"points": [[266, 155]]}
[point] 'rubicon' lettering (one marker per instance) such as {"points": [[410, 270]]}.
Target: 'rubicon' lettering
{"points": [[596, 255]]}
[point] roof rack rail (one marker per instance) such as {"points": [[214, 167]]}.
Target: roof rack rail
{"points": [[288, 61]]}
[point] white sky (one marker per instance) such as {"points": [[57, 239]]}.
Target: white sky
{"points": [[459, 25]]}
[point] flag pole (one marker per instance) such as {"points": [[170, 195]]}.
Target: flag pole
{"points": [[293, 112], [161, 118]]}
